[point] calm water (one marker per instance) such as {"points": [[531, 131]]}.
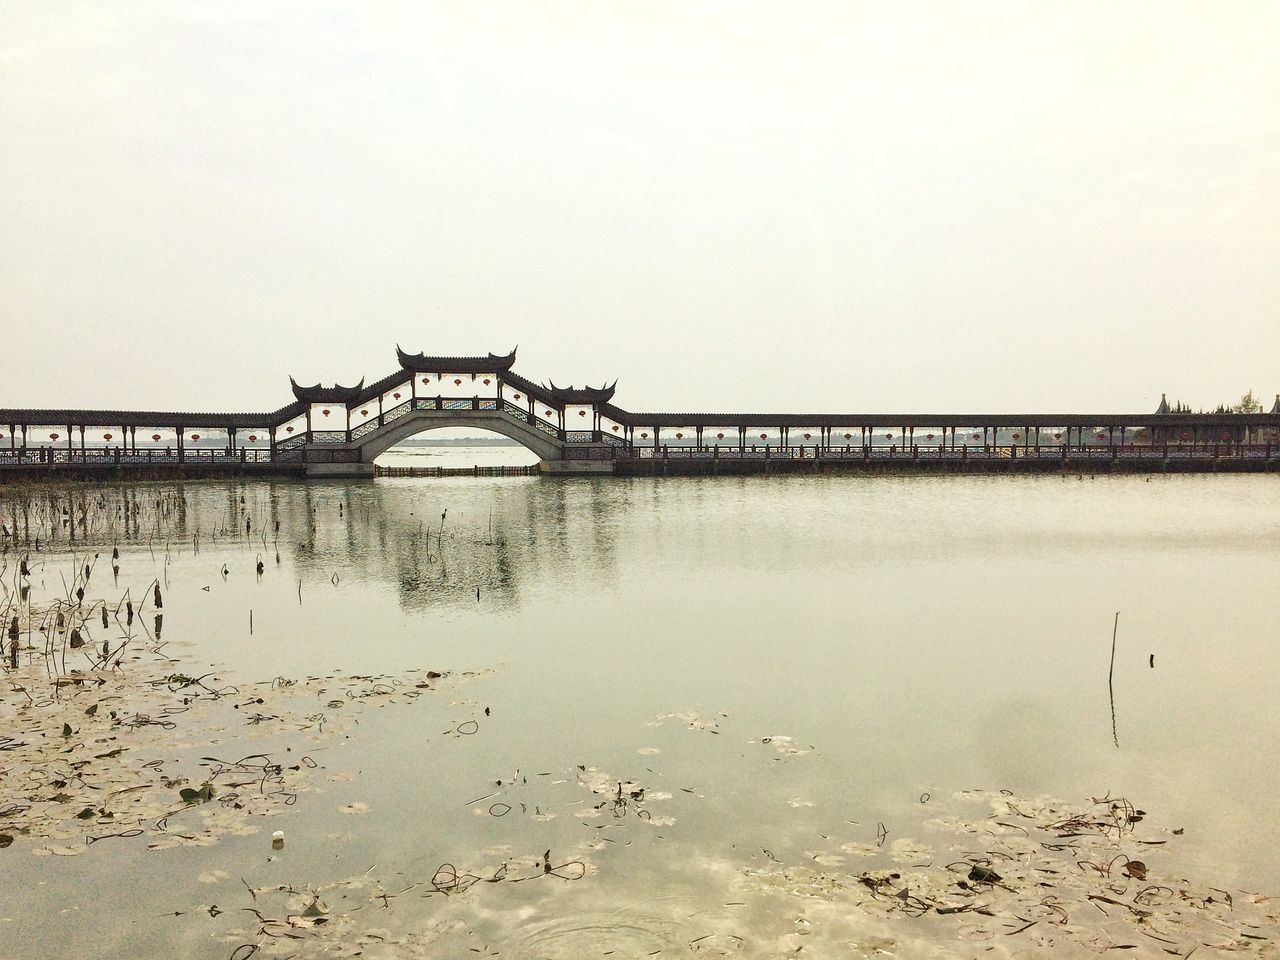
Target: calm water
{"points": [[919, 634]]}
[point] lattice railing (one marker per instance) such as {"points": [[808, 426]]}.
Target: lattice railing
{"points": [[329, 436], [396, 412], [364, 429], [511, 410], [579, 436]]}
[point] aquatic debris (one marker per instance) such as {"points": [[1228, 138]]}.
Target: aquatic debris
{"points": [[1058, 874], [113, 772]]}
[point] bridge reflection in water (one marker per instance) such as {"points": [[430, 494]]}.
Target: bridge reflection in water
{"points": [[339, 431]]}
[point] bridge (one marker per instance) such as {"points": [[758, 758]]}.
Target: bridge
{"points": [[339, 431]]}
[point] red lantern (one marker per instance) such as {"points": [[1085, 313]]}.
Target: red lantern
{"points": [[1057, 436], [1184, 435], [1017, 436], [426, 381], [547, 412], [848, 436], [53, 436], [929, 437], [396, 396], [288, 429], [486, 381], [679, 436], [155, 436], [644, 436], [764, 436], [719, 436], [1102, 436], [364, 413], [806, 436], [977, 436], [325, 412], [457, 382], [195, 436], [517, 396], [253, 438], [1225, 435], [888, 436], [614, 428], [106, 436], [582, 413]]}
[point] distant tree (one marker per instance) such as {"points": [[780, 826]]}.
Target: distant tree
{"points": [[1248, 404]]}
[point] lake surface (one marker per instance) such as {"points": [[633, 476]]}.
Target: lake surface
{"points": [[913, 636]]}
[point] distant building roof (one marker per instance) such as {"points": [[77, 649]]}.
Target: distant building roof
{"points": [[1164, 405], [420, 362]]}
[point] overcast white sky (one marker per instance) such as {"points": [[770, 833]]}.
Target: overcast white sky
{"points": [[728, 206]]}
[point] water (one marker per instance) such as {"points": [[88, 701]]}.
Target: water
{"points": [[913, 635], [459, 456]]}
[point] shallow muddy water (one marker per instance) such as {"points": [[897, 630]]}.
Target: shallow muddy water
{"points": [[796, 671]]}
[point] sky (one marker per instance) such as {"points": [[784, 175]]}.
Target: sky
{"points": [[737, 206]]}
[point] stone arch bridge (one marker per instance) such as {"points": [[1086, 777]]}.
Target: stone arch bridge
{"points": [[340, 431]]}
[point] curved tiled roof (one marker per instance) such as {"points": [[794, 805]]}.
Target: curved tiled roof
{"points": [[334, 394], [423, 363], [585, 394]]}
